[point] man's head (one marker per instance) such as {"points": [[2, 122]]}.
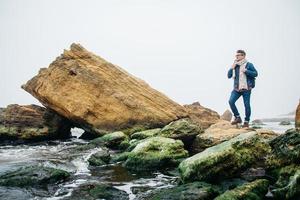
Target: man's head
{"points": [[240, 55]]}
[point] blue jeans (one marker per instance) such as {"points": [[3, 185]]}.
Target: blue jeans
{"points": [[235, 95]]}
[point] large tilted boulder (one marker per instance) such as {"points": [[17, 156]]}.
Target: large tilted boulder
{"points": [[200, 115], [26, 123], [224, 160], [99, 96]]}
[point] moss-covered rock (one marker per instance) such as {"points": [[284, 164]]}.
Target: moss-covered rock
{"points": [[155, 153], [99, 158], [97, 191], [255, 190], [287, 185], [182, 129], [224, 160], [33, 176], [285, 150], [145, 134], [111, 140], [189, 191]]}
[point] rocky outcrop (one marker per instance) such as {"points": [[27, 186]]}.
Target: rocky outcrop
{"points": [[200, 115], [227, 115], [215, 134], [297, 117], [25, 123], [99, 96]]}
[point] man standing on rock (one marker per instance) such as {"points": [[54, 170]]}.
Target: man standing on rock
{"points": [[243, 74]]}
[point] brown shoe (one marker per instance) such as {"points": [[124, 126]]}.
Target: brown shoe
{"points": [[237, 120], [245, 125]]}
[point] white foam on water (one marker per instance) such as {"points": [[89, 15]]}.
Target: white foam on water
{"points": [[82, 164]]}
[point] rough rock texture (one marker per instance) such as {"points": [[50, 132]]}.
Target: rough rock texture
{"points": [[285, 150], [287, 185], [100, 96], [92, 191], [190, 191], [297, 118], [253, 190], [227, 115], [31, 123], [215, 134], [201, 115], [224, 160]]}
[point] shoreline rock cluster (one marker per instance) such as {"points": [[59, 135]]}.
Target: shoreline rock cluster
{"points": [[148, 132]]}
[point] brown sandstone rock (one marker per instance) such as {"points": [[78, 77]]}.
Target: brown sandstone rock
{"points": [[201, 115], [223, 131], [100, 96], [215, 134], [31, 123]]}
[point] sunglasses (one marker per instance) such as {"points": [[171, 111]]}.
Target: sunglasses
{"points": [[239, 55]]}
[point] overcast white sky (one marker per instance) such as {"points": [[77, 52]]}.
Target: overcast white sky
{"points": [[181, 48]]}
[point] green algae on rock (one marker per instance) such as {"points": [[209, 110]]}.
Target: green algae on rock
{"points": [[189, 191], [111, 140], [155, 153], [224, 160], [182, 129], [285, 150], [145, 134], [255, 190], [288, 182]]}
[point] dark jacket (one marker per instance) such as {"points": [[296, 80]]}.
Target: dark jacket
{"points": [[251, 74]]}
